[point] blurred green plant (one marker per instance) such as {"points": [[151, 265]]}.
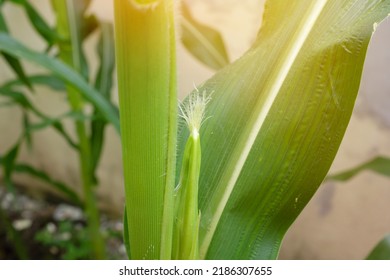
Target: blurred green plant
{"points": [[13, 236], [69, 72], [66, 240], [381, 251], [277, 117], [379, 165], [202, 41]]}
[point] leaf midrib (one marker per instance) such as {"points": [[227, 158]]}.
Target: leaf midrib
{"points": [[307, 24]]}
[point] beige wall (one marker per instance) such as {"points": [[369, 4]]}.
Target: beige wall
{"points": [[343, 220]]}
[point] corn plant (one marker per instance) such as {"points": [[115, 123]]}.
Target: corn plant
{"points": [[69, 73], [274, 120]]}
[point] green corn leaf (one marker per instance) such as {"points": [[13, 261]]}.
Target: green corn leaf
{"points": [[61, 130], [27, 132], [12, 61], [103, 83], [89, 24], [56, 124], [380, 165], [50, 81], [381, 250], [23, 168], [70, 15], [146, 65], [13, 47], [20, 99], [277, 117], [40, 25], [8, 162], [86, 24], [12, 235], [18, 69], [11, 166], [204, 42], [106, 52]]}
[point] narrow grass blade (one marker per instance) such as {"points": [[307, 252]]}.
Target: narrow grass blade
{"points": [[37, 21], [13, 47], [13, 236], [50, 81], [43, 176], [11, 166], [106, 52], [103, 83], [277, 117], [27, 134], [8, 162], [145, 52], [380, 165], [17, 68], [20, 99], [57, 125], [12, 61], [204, 42]]}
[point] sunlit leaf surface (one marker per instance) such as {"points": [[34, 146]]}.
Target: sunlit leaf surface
{"points": [[276, 119]]}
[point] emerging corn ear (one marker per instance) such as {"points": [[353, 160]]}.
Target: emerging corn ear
{"points": [[187, 215]]}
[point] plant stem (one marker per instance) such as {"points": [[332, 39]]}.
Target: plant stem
{"points": [[146, 65], [13, 236], [70, 53]]}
